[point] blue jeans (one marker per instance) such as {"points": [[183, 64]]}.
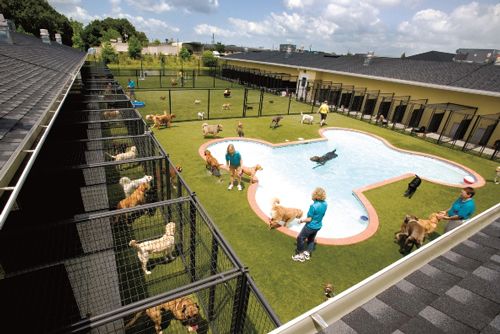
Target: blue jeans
{"points": [[310, 235]]}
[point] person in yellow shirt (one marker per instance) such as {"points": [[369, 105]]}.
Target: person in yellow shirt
{"points": [[323, 112]]}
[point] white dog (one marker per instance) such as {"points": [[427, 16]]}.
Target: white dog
{"points": [[201, 115], [306, 118], [165, 244], [129, 186], [197, 101], [129, 154]]}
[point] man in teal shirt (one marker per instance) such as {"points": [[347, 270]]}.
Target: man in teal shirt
{"points": [[460, 210]]}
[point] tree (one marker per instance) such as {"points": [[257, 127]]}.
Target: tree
{"points": [[108, 54], [208, 59], [77, 35], [110, 34], [403, 55], [134, 47], [221, 48], [156, 42], [184, 54], [98, 31]]}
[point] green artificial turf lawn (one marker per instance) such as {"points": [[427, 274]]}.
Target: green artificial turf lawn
{"points": [[293, 288]]}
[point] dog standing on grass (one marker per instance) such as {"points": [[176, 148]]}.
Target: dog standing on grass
{"points": [[275, 122]]}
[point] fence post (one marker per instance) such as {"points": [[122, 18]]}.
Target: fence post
{"points": [[208, 105], [261, 100], [194, 79], [213, 271], [192, 238], [240, 305], [289, 102], [245, 98], [170, 101]]}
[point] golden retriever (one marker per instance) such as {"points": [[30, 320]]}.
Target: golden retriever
{"points": [[239, 130], [430, 224], [280, 213], [138, 197], [251, 171], [165, 244], [212, 164], [183, 309], [212, 130], [129, 154], [226, 106], [129, 186], [158, 120], [111, 114]]}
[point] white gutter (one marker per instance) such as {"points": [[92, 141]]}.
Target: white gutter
{"points": [[364, 76], [334, 309], [34, 152]]}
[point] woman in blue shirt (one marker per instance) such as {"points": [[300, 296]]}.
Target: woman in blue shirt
{"points": [[314, 222], [233, 161], [460, 210]]}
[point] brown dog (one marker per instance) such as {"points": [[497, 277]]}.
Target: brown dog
{"points": [[410, 234], [158, 120], [173, 174], [183, 309], [211, 130], [239, 130], [280, 213], [138, 197], [111, 114], [430, 224], [251, 171], [212, 164], [328, 290]]}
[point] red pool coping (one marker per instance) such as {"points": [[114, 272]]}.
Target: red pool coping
{"points": [[359, 193]]}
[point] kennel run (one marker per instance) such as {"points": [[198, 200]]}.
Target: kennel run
{"points": [[66, 260]]}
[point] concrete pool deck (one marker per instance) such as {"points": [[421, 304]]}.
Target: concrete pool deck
{"points": [[372, 227]]}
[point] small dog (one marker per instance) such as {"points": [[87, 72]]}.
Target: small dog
{"points": [[201, 115], [165, 244], [307, 118], [212, 164], [412, 186], [275, 122], [497, 175], [158, 120], [129, 186], [226, 106], [324, 158], [183, 309], [197, 101], [410, 234], [138, 197], [249, 107], [239, 130], [212, 130], [173, 174], [163, 98], [280, 213], [251, 171], [328, 290], [173, 82], [129, 154], [111, 114]]}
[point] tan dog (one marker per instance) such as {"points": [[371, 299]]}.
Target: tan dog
{"points": [[212, 164], [163, 98], [158, 120], [129, 154], [251, 171], [280, 213], [197, 101], [184, 309], [430, 224], [497, 175], [226, 106], [173, 82], [173, 174], [138, 197], [165, 244], [212, 130], [410, 234], [239, 130], [328, 290], [111, 114]]}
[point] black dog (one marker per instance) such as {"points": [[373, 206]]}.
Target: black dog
{"points": [[324, 158], [275, 122], [412, 186]]}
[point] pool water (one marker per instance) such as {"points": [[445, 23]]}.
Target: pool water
{"points": [[289, 175]]}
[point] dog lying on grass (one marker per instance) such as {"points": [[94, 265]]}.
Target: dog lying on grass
{"points": [[251, 171], [183, 309], [165, 244], [280, 213], [129, 186], [212, 130], [324, 158]]}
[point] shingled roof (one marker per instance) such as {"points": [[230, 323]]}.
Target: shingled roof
{"points": [[482, 79]]}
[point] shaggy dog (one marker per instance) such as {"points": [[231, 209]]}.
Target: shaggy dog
{"points": [[275, 122], [412, 186], [212, 164], [158, 120], [129, 154], [280, 213], [410, 234], [165, 244], [129, 186], [251, 171], [226, 106], [306, 118], [138, 197], [201, 115], [324, 158], [211, 130], [173, 174], [197, 101], [239, 130], [183, 309], [328, 290], [111, 114]]}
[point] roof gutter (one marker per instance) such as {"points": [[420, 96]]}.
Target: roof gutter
{"points": [[364, 76], [25, 148], [332, 310]]}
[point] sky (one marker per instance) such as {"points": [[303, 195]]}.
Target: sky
{"points": [[386, 27]]}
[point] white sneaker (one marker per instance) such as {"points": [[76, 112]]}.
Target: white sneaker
{"points": [[239, 187], [230, 187], [307, 256], [298, 257]]}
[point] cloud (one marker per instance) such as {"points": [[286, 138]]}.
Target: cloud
{"points": [[115, 6], [149, 26], [208, 30], [160, 6], [64, 2]]}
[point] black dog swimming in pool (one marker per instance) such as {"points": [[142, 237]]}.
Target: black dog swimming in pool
{"points": [[412, 186], [324, 158]]}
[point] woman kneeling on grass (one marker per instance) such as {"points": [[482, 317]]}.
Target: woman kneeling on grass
{"points": [[314, 222]]}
